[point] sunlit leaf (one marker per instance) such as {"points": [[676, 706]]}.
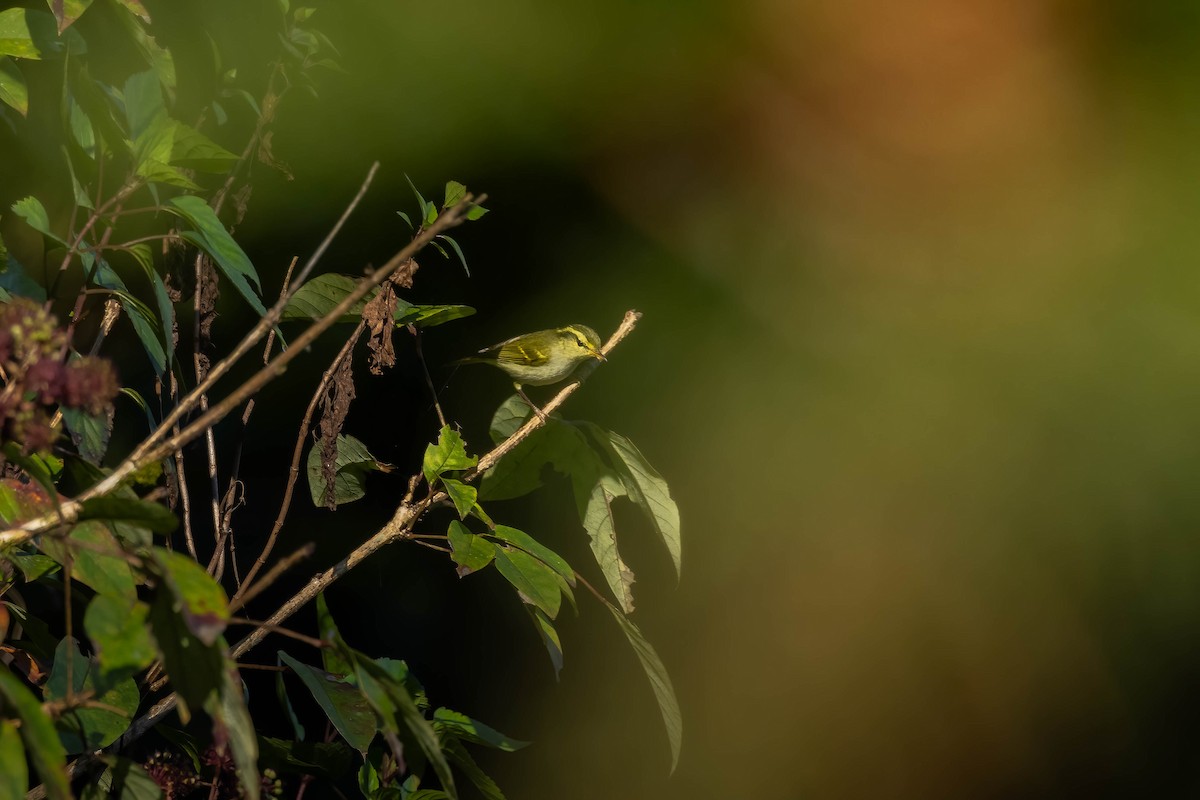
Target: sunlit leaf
{"points": [[533, 580], [473, 730], [455, 191], [446, 455], [26, 33], [595, 505], [646, 488], [429, 316], [524, 541], [67, 11], [34, 213], [463, 495], [472, 553]]}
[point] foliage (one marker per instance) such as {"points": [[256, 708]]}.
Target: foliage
{"points": [[108, 534]]}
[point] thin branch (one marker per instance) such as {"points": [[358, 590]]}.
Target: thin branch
{"points": [[297, 451], [282, 631], [416, 333]]}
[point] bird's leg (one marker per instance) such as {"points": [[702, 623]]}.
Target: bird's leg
{"points": [[541, 414]]}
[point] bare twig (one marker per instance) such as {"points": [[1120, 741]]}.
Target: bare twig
{"points": [[416, 334], [294, 469], [249, 592], [282, 631]]}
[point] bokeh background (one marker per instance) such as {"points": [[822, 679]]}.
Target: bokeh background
{"points": [[919, 360]]}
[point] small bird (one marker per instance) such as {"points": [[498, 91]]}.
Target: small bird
{"points": [[542, 357]]}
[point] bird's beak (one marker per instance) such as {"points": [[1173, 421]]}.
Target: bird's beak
{"points": [[597, 354]]}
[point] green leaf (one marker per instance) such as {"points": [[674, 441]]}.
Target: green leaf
{"points": [[145, 109], [343, 703], [331, 657], [142, 513], [330, 760], [459, 756], [196, 669], [351, 466], [463, 495], [67, 11], [525, 542], [145, 322], [519, 472], [106, 574], [202, 601], [228, 709], [476, 212], [15, 280], [462, 726], [14, 777], [89, 432], [646, 488], [37, 731], [447, 455], [595, 505], [391, 699], [320, 295], [194, 150], [660, 682], [13, 91], [462, 259], [210, 236], [472, 553], [545, 629], [34, 213], [166, 310], [455, 192], [32, 565], [533, 580], [129, 781], [118, 630], [431, 315], [26, 33], [83, 729]]}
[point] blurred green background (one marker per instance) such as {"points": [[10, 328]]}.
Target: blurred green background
{"points": [[919, 360]]}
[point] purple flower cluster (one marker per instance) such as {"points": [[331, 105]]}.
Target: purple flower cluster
{"points": [[36, 378]]}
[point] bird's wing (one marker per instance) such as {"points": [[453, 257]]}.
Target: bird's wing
{"points": [[522, 353]]}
